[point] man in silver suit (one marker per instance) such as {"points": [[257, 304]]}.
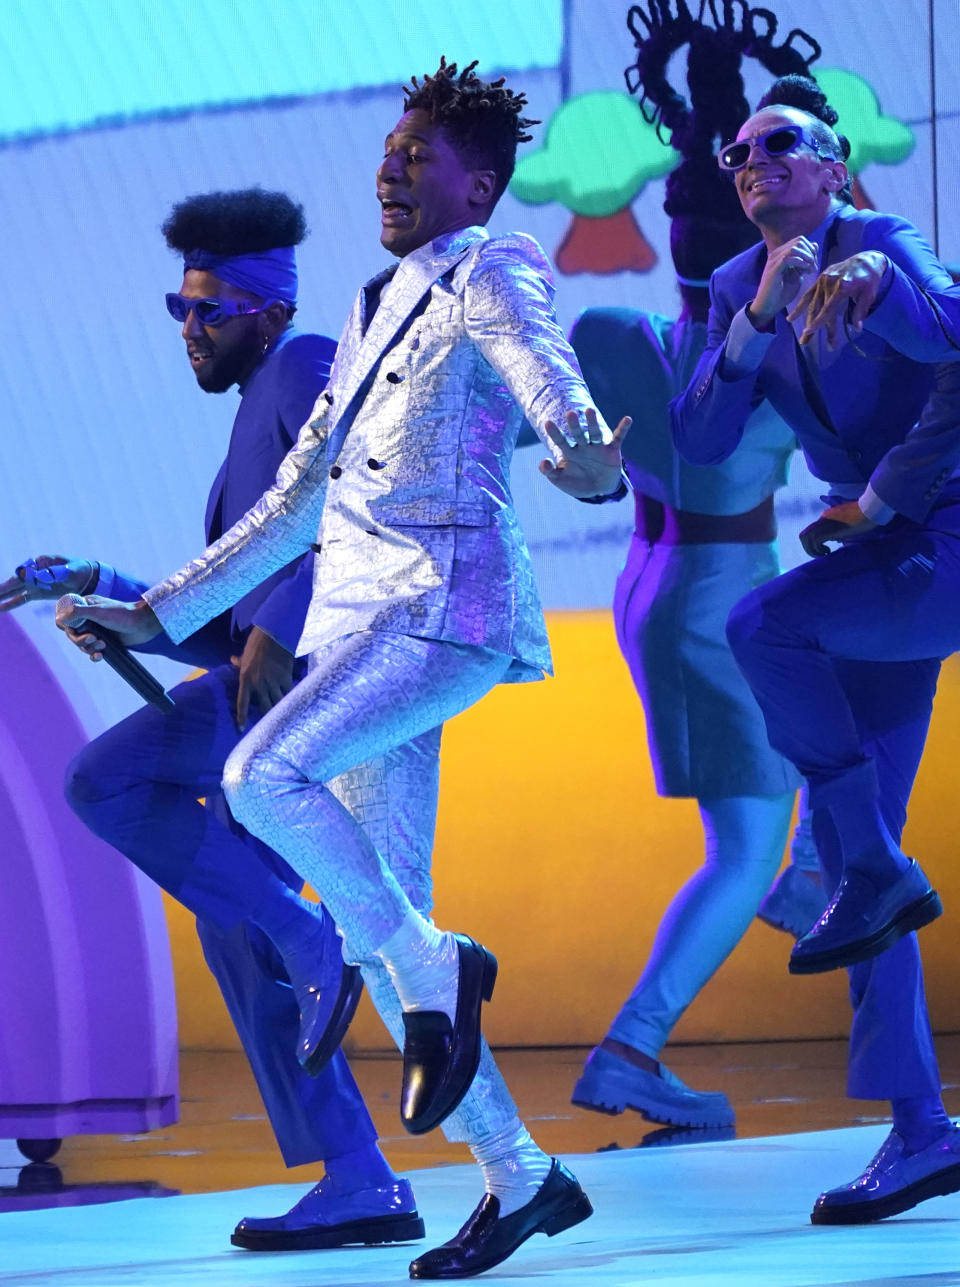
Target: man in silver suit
{"points": [[423, 600]]}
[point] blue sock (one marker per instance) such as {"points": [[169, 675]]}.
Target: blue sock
{"points": [[919, 1120], [362, 1168]]}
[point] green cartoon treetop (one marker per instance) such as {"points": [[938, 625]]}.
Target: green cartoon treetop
{"points": [[602, 149], [873, 136], [599, 155]]}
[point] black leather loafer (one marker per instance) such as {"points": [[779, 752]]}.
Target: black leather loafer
{"points": [[439, 1058], [486, 1240]]}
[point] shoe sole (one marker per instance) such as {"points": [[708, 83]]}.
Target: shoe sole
{"points": [[341, 1017], [913, 917], [668, 1116], [793, 930], [579, 1211], [367, 1233], [931, 1186]]}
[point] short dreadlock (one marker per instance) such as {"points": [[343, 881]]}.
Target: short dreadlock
{"points": [[708, 225], [481, 118]]}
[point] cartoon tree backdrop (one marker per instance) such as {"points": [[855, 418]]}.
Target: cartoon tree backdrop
{"points": [[873, 136], [598, 156]]}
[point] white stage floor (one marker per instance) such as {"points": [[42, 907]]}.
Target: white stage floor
{"points": [[711, 1214]]}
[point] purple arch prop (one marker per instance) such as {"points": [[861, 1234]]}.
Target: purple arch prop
{"points": [[88, 1029]]}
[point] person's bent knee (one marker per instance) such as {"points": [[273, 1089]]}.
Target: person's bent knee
{"points": [[251, 776], [84, 785], [105, 793]]}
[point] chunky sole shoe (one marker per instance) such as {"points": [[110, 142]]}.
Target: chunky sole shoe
{"points": [[320, 1032], [914, 916], [794, 903], [897, 1183], [487, 1240], [934, 1186], [324, 1218], [367, 1233], [440, 1059], [610, 1084]]}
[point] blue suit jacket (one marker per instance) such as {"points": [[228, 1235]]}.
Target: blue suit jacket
{"points": [[275, 403], [854, 410], [917, 320]]}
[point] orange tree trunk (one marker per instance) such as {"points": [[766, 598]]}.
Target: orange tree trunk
{"points": [[611, 244]]}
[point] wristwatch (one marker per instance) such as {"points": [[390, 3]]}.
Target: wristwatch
{"points": [[622, 488]]}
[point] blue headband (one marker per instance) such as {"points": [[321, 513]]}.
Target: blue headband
{"points": [[271, 274]]}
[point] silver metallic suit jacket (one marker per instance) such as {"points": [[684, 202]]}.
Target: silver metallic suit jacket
{"points": [[401, 477]]}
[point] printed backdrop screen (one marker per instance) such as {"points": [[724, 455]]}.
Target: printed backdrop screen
{"points": [[115, 109]]}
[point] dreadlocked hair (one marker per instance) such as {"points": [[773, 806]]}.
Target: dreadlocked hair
{"points": [[709, 225], [242, 222], [481, 118], [805, 95]]}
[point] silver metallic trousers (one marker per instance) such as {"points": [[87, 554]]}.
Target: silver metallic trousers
{"points": [[367, 721]]}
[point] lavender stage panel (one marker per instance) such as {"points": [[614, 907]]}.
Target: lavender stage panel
{"points": [[88, 1032]]}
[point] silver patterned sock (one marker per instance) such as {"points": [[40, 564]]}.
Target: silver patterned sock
{"points": [[423, 964], [513, 1167]]}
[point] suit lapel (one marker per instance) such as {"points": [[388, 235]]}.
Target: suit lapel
{"points": [[838, 237], [370, 295], [374, 337], [213, 518]]}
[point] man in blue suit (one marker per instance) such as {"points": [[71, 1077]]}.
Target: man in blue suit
{"points": [[137, 785], [843, 652]]}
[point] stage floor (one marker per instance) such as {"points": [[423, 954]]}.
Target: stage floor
{"points": [[725, 1212], [671, 1207]]}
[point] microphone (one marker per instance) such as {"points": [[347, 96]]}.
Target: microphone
{"points": [[121, 660]]}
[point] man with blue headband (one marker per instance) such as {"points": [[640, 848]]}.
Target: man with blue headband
{"points": [[137, 785]]}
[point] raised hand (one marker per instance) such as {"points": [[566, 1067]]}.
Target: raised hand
{"points": [[589, 466], [843, 293], [132, 623], [48, 576], [786, 268]]}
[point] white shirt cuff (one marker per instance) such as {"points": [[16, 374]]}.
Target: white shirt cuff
{"points": [[874, 508], [745, 346]]}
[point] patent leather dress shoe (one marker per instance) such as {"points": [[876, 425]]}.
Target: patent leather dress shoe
{"points": [[609, 1084], [328, 997], [487, 1240], [794, 903], [324, 1218], [862, 921], [893, 1183], [440, 1058]]}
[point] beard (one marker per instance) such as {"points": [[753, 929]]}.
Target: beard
{"points": [[223, 368]]}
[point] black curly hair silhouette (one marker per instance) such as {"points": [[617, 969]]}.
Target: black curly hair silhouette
{"points": [[708, 226]]}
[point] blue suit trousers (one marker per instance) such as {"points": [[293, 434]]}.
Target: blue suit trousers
{"points": [[137, 787], [843, 655]]}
